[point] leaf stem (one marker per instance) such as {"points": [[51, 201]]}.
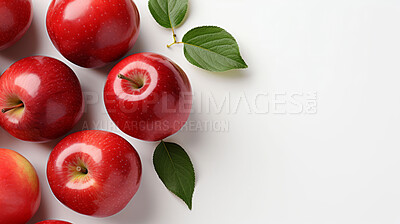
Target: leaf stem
{"points": [[169, 45], [174, 36]]}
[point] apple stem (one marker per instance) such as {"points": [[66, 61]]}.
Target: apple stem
{"points": [[81, 169], [136, 84], [4, 110]]}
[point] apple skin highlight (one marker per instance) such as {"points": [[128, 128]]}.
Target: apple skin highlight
{"points": [[53, 222]]}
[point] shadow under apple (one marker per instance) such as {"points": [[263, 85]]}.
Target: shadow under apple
{"points": [[26, 46]]}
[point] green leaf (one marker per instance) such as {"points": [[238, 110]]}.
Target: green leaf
{"points": [[168, 13], [175, 170], [212, 48]]}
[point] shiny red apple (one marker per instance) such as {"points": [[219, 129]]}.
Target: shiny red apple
{"points": [[40, 99], [53, 222], [148, 96], [92, 33], [94, 173], [15, 19], [19, 188]]}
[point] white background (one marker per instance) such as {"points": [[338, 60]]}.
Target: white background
{"points": [[339, 164]]}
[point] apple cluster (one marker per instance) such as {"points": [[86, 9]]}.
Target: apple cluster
{"points": [[41, 100]]}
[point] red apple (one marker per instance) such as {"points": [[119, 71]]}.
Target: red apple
{"points": [[15, 19], [94, 173], [92, 33], [19, 188], [53, 222], [40, 98], [148, 96]]}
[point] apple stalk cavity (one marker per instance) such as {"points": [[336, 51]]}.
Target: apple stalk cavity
{"points": [[82, 170]]}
